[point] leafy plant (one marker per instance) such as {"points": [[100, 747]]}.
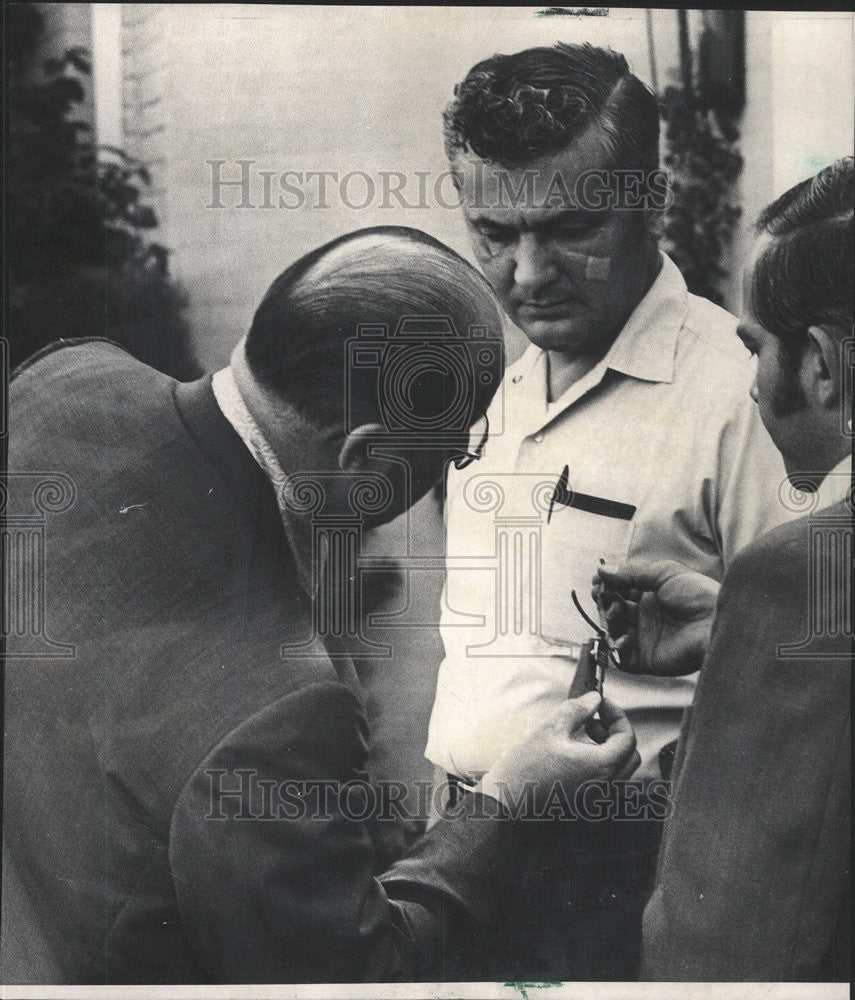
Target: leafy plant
{"points": [[704, 161], [79, 263]]}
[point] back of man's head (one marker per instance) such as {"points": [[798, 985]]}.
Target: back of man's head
{"points": [[513, 109], [804, 276], [381, 321]]}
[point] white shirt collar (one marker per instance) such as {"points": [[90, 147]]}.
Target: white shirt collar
{"points": [[646, 346], [836, 486], [235, 410]]}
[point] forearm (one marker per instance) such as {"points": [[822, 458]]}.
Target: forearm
{"points": [[275, 874]]}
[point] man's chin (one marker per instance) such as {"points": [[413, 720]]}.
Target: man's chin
{"points": [[554, 335], [804, 482]]}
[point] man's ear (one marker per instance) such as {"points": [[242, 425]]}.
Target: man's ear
{"points": [[354, 454], [821, 367]]}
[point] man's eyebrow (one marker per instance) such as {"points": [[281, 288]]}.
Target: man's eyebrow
{"points": [[568, 215], [485, 220]]}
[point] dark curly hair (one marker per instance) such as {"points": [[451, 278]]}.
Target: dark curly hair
{"points": [[511, 110]]}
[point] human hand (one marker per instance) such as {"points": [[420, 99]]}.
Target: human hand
{"points": [[659, 614], [559, 752], [585, 680]]}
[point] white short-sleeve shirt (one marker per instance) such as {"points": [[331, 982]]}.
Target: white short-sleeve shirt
{"points": [[665, 457]]}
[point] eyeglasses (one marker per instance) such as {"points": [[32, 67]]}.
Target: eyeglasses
{"points": [[468, 457]]}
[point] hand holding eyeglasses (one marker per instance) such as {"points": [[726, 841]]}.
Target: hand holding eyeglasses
{"points": [[464, 459], [659, 615], [560, 752]]}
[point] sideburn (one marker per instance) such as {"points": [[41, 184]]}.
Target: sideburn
{"points": [[789, 396]]}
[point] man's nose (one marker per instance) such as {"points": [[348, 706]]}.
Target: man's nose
{"points": [[534, 266]]}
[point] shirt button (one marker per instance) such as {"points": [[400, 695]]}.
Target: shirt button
{"points": [[516, 379], [538, 438]]}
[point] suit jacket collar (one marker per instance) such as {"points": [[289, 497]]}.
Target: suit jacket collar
{"points": [[224, 449], [207, 425]]}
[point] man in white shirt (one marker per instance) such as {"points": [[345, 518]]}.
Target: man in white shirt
{"points": [[624, 431]]}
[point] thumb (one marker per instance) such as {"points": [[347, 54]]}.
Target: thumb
{"points": [[577, 711]]}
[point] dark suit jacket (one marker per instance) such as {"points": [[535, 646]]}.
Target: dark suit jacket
{"points": [[139, 845], [754, 871]]}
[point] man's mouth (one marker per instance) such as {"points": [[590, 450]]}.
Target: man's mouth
{"points": [[549, 306]]}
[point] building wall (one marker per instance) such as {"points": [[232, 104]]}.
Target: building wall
{"points": [[799, 113], [308, 89], [361, 89]]}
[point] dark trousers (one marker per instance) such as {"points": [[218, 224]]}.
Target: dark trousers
{"points": [[581, 895], [581, 889]]}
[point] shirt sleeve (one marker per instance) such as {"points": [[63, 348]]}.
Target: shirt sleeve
{"points": [[274, 866], [751, 480]]}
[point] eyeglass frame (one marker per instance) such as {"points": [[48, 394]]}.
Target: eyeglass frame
{"points": [[464, 460]]}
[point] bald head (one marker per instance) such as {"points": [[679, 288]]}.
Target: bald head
{"points": [[332, 323]]}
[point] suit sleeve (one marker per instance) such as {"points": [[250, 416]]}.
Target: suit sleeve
{"points": [[274, 867], [753, 868]]}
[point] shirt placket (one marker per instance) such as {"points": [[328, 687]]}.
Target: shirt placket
{"points": [[530, 408]]}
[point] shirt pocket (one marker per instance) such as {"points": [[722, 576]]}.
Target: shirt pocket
{"points": [[574, 542]]}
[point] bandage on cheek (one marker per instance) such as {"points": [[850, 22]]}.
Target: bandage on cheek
{"points": [[592, 268], [597, 268]]}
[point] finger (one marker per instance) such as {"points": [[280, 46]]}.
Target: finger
{"points": [[616, 586], [602, 597], [625, 606], [627, 649], [596, 731], [618, 579], [621, 617], [615, 752], [629, 769], [614, 717], [578, 710], [639, 574], [616, 611], [621, 736]]}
